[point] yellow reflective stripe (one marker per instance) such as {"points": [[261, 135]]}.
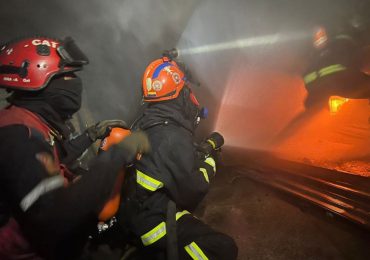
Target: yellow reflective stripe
{"points": [[211, 162], [212, 143], [331, 69], [344, 37], [180, 214], [195, 252], [310, 77], [147, 182], [205, 174], [323, 72], [154, 235], [159, 231]]}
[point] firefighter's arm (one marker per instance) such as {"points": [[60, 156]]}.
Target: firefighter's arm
{"points": [[192, 174], [75, 147], [93, 189], [44, 206]]}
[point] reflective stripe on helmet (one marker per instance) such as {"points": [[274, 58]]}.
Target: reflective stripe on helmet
{"points": [[159, 231], [148, 182], [195, 252], [159, 68]]}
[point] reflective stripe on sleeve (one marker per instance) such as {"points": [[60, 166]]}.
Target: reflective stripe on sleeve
{"points": [[195, 252], [154, 235], [331, 69], [212, 143], [211, 162], [147, 182], [40, 189], [180, 214], [159, 231], [310, 77], [205, 174]]}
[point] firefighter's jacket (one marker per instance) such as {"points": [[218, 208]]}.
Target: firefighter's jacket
{"points": [[173, 166], [40, 212]]}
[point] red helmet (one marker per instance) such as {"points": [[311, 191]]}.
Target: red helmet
{"points": [[30, 63], [162, 80]]}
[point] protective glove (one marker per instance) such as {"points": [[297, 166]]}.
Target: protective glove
{"points": [[133, 146], [102, 129], [208, 168]]}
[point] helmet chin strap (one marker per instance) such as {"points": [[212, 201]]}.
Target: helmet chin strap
{"points": [[202, 114], [197, 121]]}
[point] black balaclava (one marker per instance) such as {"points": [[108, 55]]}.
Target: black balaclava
{"points": [[56, 103], [181, 111], [64, 96]]}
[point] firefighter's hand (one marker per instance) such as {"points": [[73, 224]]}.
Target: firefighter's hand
{"points": [[102, 129], [134, 145]]}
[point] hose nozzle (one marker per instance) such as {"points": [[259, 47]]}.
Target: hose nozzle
{"points": [[212, 143]]}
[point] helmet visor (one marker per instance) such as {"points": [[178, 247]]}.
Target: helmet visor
{"points": [[71, 54]]}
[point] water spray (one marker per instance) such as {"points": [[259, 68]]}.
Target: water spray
{"points": [[265, 40]]}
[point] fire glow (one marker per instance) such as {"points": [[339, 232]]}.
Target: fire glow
{"points": [[252, 113], [335, 103]]}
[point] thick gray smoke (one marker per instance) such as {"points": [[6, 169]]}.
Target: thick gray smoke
{"points": [[220, 41], [248, 57], [120, 38]]}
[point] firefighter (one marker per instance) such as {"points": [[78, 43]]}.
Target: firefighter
{"points": [[336, 67], [45, 211], [171, 173]]}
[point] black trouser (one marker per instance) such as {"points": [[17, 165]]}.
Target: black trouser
{"points": [[196, 240]]}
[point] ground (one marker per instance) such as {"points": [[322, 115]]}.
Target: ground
{"points": [[268, 225]]}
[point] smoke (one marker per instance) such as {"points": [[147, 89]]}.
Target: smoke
{"points": [[119, 37], [252, 54], [245, 53]]}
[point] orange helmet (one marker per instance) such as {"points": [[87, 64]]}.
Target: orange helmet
{"points": [[162, 80]]}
